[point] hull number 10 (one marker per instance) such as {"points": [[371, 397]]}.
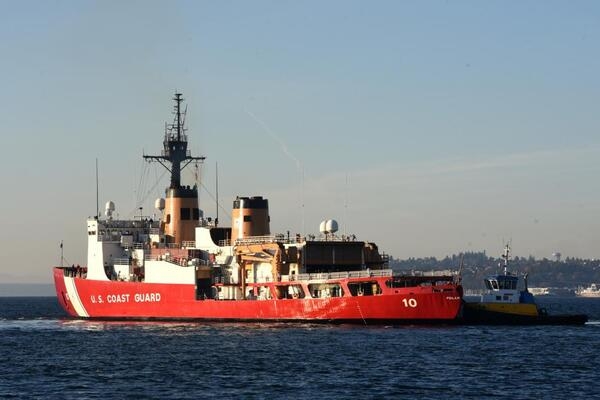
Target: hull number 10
{"points": [[412, 303]]}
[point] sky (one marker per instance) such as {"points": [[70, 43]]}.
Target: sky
{"points": [[428, 127]]}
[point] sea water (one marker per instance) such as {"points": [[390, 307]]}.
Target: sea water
{"points": [[47, 355]]}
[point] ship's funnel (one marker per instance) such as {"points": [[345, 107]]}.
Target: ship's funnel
{"points": [[250, 217], [181, 214]]}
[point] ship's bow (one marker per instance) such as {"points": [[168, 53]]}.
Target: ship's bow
{"points": [[62, 293]]}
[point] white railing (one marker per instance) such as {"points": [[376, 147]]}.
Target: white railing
{"points": [[182, 262], [339, 275], [277, 238], [297, 238], [257, 239], [447, 272]]}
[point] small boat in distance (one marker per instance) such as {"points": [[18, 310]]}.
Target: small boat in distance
{"points": [[503, 303], [540, 291], [590, 291]]}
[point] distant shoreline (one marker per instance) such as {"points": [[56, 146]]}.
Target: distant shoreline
{"points": [[27, 290]]}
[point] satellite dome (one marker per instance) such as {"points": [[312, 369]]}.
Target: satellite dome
{"points": [[110, 206], [328, 226], [322, 228], [159, 204], [331, 226]]}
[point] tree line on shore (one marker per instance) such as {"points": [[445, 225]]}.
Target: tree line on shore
{"points": [[568, 273]]}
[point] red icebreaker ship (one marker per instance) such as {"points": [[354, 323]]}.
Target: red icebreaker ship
{"points": [[187, 267]]}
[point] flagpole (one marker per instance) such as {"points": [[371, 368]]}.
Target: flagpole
{"points": [[61, 254]]}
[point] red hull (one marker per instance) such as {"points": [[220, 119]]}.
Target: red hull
{"points": [[110, 299]]}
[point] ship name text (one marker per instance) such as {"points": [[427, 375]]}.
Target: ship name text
{"points": [[126, 298]]}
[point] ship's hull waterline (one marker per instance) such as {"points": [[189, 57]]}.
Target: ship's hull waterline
{"points": [[138, 300]]}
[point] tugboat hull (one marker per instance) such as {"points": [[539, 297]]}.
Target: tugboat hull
{"points": [[478, 314]]}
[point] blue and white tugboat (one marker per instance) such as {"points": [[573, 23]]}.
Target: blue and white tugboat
{"points": [[503, 303]]}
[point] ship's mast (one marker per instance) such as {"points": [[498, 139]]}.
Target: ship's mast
{"points": [[181, 213], [175, 144], [506, 257]]}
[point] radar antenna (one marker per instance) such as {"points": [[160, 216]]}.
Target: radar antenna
{"points": [[175, 144], [506, 257]]}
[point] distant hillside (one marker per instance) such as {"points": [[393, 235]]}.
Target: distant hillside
{"points": [[569, 273], [27, 290]]}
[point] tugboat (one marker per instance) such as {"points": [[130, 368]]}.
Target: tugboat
{"points": [[188, 267], [504, 304]]}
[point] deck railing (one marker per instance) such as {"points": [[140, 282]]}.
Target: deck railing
{"points": [[339, 275], [258, 239]]}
